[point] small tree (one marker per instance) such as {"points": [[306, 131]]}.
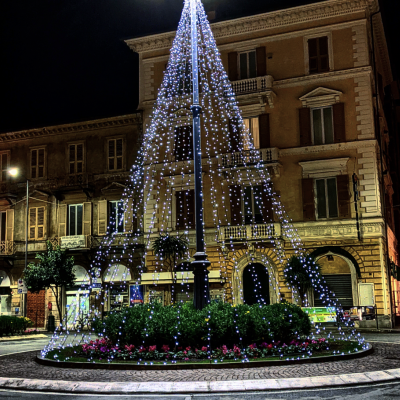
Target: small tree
{"points": [[53, 271], [301, 273], [171, 249]]}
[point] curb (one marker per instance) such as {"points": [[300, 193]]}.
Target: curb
{"points": [[161, 367], [199, 387], [27, 337]]}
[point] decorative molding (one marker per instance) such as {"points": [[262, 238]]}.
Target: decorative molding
{"points": [[262, 22], [324, 168], [364, 107], [360, 46], [321, 97], [131, 119], [327, 148]]}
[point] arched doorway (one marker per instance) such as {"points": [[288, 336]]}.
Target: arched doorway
{"points": [[339, 279], [256, 284]]}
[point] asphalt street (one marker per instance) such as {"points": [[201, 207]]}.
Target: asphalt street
{"points": [[19, 346]]}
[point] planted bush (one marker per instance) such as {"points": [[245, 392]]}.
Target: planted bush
{"points": [[10, 325], [225, 324]]}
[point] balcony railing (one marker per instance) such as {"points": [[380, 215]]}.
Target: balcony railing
{"points": [[249, 232], [248, 157], [252, 85], [7, 248]]}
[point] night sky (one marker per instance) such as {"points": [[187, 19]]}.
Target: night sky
{"points": [[65, 60]]}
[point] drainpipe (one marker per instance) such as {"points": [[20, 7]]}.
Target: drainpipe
{"points": [[378, 133]]}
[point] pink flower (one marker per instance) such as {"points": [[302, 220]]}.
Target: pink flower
{"points": [[152, 348], [253, 346], [142, 349], [204, 348], [270, 346], [165, 348], [188, 348], [224, 349], [186, 359]]}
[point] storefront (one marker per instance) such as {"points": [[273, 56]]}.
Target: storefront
{"points": [[77, 298], [5, 294], [116, 283]]}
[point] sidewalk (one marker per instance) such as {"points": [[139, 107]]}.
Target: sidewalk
{"points": [[25, 337], [20, 371]]}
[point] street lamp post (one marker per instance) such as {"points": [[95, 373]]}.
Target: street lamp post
{"points": [[200, 264], [14, 172]]}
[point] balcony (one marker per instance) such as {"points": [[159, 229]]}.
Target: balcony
{"points": [[249, 232], [7, 248], [253, 85], [249, 157]]}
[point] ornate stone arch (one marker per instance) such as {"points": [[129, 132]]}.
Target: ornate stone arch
{"points": [[264, 258], [350, 260]]}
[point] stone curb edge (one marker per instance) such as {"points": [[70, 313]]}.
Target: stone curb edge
{"points": [[27, 337], [199, 387]]}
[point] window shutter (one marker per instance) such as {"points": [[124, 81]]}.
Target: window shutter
{"points": [[261, 61], [87, 218], [10, 225], [267, 206], [32, 223], [40, 223], [128, 215], [232, 66], [343, 196], [308, 199], [234, 138], [339, 134], [102, 217], [62, 220], [265, 135], [305, 127], [33, 163], [236, 204], [41, 164], [179, 209]]}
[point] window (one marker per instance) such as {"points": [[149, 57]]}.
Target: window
{"points": [[36, 223], [3, 226], [37, 163], [252, 204], [116, 224], [327, 198], [183, 143], [322, 125], [185, 204], [75, 217], [115, 154], [252, 125], [75, 158], [318, 55], [247, 65], [185, 78], [4, 166]]}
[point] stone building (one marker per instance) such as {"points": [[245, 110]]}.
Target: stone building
{"points": [[76, 174], [313, 101]]}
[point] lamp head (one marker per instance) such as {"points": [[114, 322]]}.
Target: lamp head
{"points": [[13, 172]]}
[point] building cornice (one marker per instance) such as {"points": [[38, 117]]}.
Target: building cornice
{"points": [[124, 120], [262, 22]]}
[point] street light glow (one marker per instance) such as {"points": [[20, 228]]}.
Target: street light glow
{"points": [[13, 171]]}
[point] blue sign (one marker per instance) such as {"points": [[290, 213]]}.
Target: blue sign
{"points": [[136, 294]]}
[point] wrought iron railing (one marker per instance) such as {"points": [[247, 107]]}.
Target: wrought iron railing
{"points": [[249, 157], [7, 247]]}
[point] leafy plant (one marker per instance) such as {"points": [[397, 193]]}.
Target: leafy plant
{"points": [[170, 248], [10, 325], [302, 273], [53, 270]]}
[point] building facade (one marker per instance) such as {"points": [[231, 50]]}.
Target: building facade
{"points": [[310, 82], [76, 175]]}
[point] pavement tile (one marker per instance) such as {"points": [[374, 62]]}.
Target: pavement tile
{"points": [[295, 383], [394, 372], [379, 376], [327, 380], [264, 384], [355, 378], [227, 386]]}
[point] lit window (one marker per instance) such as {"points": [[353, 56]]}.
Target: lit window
{"points": [[252, 125]]}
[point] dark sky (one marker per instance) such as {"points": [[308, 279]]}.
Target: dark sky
{"points": [[65, 60]]}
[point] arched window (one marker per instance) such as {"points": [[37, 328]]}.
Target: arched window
{"points": [[256, 284]]}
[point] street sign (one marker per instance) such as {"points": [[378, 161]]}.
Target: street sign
{"points": [[22, 289]]}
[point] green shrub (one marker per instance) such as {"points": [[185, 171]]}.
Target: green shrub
{"points": [[183, 324], [10, 325]]}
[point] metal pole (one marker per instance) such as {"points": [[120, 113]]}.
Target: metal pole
{"points": [[200, 264], [26, 242]]}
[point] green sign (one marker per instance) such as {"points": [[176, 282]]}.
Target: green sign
{"points": [[321, 314]]}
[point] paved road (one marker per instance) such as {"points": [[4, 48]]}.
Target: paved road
{"points": [[371, 392], [18, 346]]}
